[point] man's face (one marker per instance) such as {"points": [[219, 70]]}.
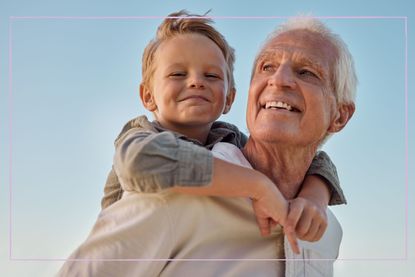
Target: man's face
{"points": [[189, 84], [291, 99]]}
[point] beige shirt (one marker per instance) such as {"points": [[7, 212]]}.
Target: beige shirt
{"points": [[206, 236]]}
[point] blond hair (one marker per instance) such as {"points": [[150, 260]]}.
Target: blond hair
{"points": [[184, 23]]}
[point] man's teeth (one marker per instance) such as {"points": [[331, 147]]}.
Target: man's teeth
{"points": [[277, 104]]}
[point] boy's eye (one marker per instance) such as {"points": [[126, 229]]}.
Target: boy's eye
{"points": [[177, 74], [212, 76]]}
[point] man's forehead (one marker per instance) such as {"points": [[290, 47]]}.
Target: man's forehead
{"points": [[298, 54], [307, 44]]}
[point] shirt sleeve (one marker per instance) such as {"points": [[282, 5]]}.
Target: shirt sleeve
{"points": [[132, 237], [324, 167], [112, 190], [150, 162], [315, 258]]}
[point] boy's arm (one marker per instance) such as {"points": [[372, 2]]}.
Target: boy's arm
{"points": [[307, 214], [112, 190], [149, 161], [326, 170], [231, 180], [146, 161]]}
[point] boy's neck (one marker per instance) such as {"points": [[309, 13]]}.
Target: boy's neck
{"points": [[197, 132]]}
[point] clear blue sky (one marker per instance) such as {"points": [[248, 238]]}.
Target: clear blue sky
{"points": [[74, 84]]}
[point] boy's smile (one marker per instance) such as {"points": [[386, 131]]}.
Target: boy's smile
{"points": [[189, 85]]}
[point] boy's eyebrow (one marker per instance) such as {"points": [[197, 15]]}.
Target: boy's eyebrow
{"points": [[209, 66], [174, 65]]}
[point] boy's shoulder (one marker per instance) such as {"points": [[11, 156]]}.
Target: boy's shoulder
{"points": [[226, 132], [225, 125], [140, 123]]}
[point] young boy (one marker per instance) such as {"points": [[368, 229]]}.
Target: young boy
{"points": [[187, 84]]}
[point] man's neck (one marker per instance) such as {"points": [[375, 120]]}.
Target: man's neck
{"points": [[285, 166]]}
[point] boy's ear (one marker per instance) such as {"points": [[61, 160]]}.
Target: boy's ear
{"points": [[229, 100], [343, 114], [147, 98]]}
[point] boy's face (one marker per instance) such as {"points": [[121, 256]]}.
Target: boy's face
{"points": [[189, 85]]}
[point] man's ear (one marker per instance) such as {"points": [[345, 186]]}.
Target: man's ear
{"points": [[229, 100], [147, 98], [343, 114]]}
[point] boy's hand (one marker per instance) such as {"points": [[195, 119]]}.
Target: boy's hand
{"points": [[271, 208], [307, 219]]}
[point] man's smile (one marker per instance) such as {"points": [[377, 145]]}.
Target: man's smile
{"points": [[279, 105]]}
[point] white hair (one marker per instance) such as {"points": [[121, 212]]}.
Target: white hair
{"points": [[344, 75]]}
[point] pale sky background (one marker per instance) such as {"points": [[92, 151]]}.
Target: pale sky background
{"points": [[74, 85]]}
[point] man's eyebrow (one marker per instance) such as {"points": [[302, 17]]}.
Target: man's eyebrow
{"points": [[265, 55], [311, 62], [299, 59], [268, 55]]}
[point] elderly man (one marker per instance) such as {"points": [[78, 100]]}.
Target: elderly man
{"points": [[302, 90]]}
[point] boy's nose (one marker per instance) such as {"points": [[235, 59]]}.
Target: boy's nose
{"points": [[196, 82], [197, 85]]}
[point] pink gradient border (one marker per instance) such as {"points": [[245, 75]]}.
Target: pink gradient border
{"points": [[13, 18]]}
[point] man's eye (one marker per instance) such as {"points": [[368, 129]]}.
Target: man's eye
{"points": [[268, 67], [309, 73]]}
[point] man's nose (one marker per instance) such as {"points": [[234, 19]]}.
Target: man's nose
{"points": [[283, 77]]}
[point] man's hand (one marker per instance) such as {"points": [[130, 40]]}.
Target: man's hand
{"points": [[307, 219]]}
